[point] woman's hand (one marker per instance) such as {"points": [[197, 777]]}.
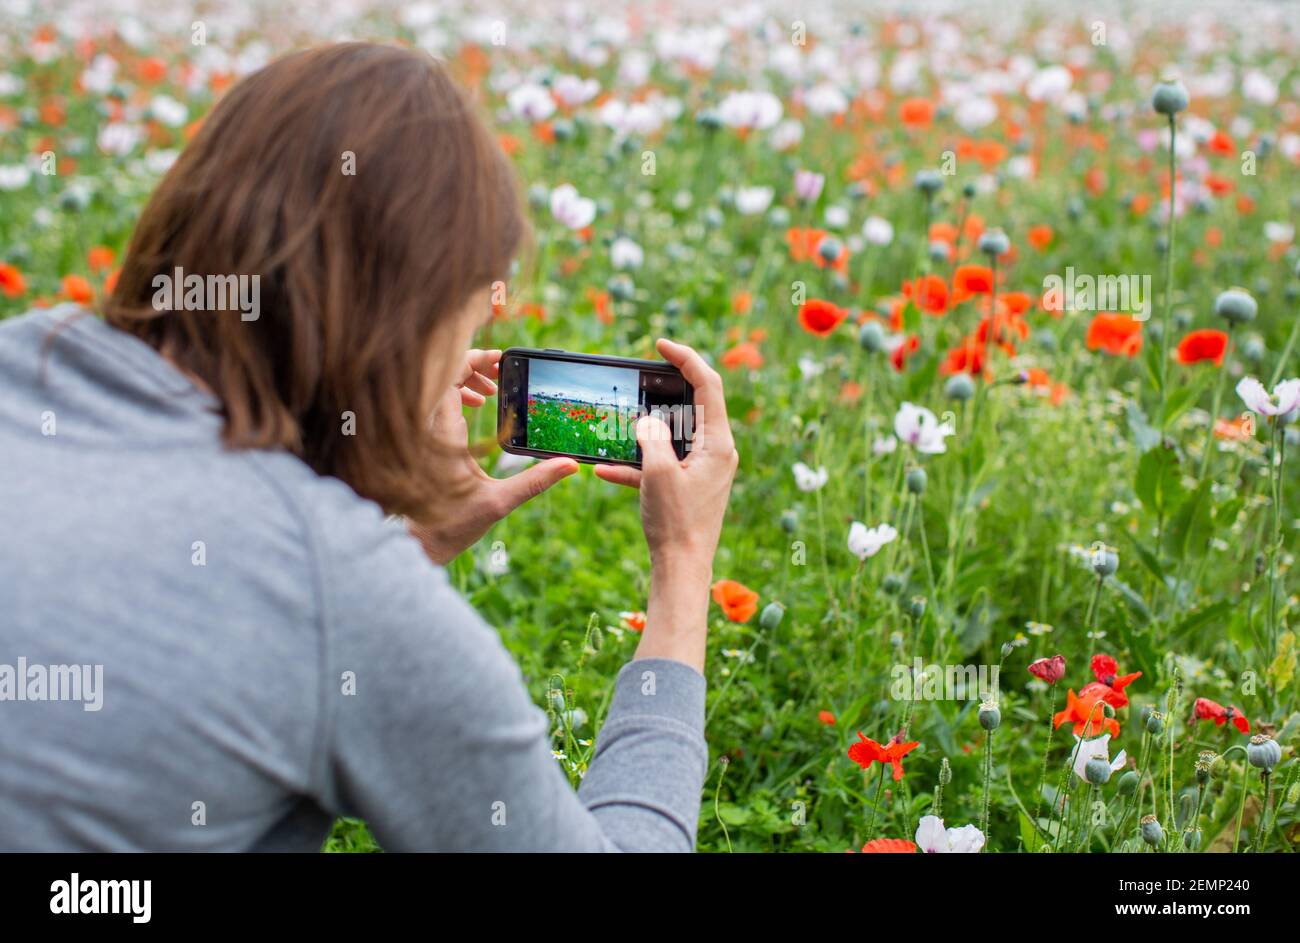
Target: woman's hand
{"points": [[476, 500], [682, 507]]}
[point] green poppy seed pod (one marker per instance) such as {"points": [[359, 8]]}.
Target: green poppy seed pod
{"points": [[1204, 766], [945, 772], [1152, 833], [990, 716], [1105, 561], [829, 249], [994, 242], [968, 191], [1128, 783], [778, 217], [1253, 349], [563, 129], [1074, 208], [1107, 709], [1182, 319], [959, 387], [1263, 286], [1263, 753], [1192, 839], [1236, 305], [1156, 724], [772, 615], [928, 182], [1097, 771], [916, 480], [892, 584], [709, 120], [539, 197], [916, 607], [789, 521], [871, 336], [1145, 713], [621, 287], [1169, 97], [938, 251]]}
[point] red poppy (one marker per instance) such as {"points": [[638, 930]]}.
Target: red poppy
{"points": [[1116, 334], [1050, 670], [12, 282], [738, 601], [966, 357], [929, 293], [1109, 685], [896, 846], [77, 289], [99, 258], [971, 280], [826, 717], [745, 354], [820, 317], [867, 751], [1086, 714], [916, 112], [1209, 710], [1040, 237], [910, 345], [1206, 344]]}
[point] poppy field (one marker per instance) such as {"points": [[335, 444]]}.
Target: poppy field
{"points": [[580, 429], [1006, 304]]}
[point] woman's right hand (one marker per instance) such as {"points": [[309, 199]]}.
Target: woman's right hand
{"points": [[682, 508]]}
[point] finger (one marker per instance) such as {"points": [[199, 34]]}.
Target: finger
{"points": [[480, 384], [471, 398], [620, 475], [483, 361], [710, 409], [535, 479], [656, 441]]}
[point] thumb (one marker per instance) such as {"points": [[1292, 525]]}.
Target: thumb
{"points": [[535, 479], [656, 441]]}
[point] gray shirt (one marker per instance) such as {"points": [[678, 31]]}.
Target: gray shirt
{"points": [[204, 649]]}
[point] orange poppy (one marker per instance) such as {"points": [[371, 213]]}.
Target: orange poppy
{"points": [[916, 112], [966, 357], [76, 288], [803, 242], [910, 345], [1117, 334], [1110, 684], [1241, 429], [820, 317], [971, 280], [826, 717], [738, 601], [929, 293], [1206, 344], [895, 846], [742, 301], [1086, 713], [745, 354], [99, 258], [867, 751], [12, 282], [1040, 237]]}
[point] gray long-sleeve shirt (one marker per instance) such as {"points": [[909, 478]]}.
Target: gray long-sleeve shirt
{"points": [[244, 649]]}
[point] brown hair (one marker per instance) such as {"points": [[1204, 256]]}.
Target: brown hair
{"points": [[357, 272]]}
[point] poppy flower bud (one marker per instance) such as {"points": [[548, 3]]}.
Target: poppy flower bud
{"points": [[871, 336], [916, 480], [1204, 765], [945, 772], [1128, 783], [563, 129], [928, 182], [830, 248], [892, 583], [1263, 753], [959, 387], [1236, 305], [968, 190], [1097, 771], [916, 608], [772, 615], [1146, 712], [1182, 319], [990, 717], [994, 242], [1007, 649], [1105, 561], [789, 521], [938, 251], [1169, 97], [1050, 670], [1156, 724], [1107, 709], [1152, 833]]}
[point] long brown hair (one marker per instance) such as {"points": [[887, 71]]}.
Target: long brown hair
{"points": [[357, 271]]}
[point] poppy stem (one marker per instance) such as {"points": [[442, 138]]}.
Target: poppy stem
{"points": [[1258, 845], [875, 804], [1042, 774], [988, 776], [1092, 604], [1214, 410], [1169, 269], [1241, 805]]}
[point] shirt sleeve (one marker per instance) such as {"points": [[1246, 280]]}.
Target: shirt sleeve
{"points": [[429, 734]]}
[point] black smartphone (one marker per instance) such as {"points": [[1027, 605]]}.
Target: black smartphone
{"points": [[585, 406]]}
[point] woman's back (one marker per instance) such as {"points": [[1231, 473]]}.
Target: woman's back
{"points": [[246, 649]]}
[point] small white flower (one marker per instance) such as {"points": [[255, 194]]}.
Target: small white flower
{"points": [[14, 176], [786, 135], [168, 111], [932, 838], [750, 201], [574, 91], [878, 231], [826, 99], [625, 254], [918, 427], [755, 110], [806, 479], [866, 541], [570, 209], [808, 185], [1279, 232], [118, 138], [531, 102]]}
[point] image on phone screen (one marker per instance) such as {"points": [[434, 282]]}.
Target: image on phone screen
{"points": [[582, 409]]}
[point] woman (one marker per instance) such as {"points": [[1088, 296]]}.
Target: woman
{"points": [[201, 511]]}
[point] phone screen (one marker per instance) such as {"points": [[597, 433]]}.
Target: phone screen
{"points": [[588, 408]]}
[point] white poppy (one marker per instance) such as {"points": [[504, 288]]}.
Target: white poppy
{"points": [[1097, 747], [571, 209], [806, 479], [919, 428], [866, 541], [932, 838]]}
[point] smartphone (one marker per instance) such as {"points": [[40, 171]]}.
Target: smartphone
{"points": [[585, 406]]}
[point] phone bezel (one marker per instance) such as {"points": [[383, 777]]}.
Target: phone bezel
{"points": [[508, 400]]}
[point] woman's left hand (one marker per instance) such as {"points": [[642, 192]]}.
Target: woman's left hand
{"points": [[479, 500]]}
